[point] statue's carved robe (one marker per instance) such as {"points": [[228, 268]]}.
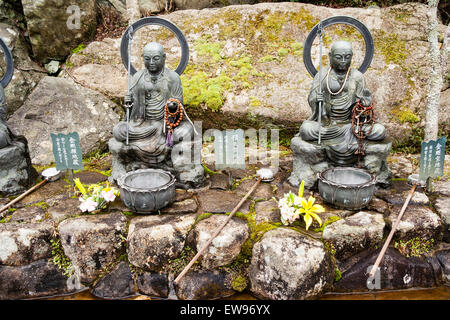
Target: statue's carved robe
{"points": [[147, 132], [337, 137]]}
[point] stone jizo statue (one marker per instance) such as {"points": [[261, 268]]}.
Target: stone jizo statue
{"points": [[339, 88], [342, 87], [154, 129]]}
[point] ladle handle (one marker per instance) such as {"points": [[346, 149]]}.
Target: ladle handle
{"points": [[22, 196], [216, 233], [391, 234]]}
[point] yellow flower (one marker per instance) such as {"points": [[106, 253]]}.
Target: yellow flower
{"points": [[310, 211], [80, 186]]}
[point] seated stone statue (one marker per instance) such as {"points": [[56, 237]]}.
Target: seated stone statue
{"points": [[339, 88], [151, 139], [16, 172]]}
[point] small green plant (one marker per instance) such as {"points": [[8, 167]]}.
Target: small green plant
{"points": [[415, 247], [239, 283], [79, 49], [338, 275], [60, 259]]}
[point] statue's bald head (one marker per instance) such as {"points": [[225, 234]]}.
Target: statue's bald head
{"points": [[153, 47], [341, 45]]}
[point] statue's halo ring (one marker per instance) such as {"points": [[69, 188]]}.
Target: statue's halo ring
{"points": [[161, 22], [339, 20], [9, 64]]}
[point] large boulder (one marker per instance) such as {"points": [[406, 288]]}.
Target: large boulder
{"points": [[38, 279], [92, 242], [226, 246], [116, 284], [153, 240], [252, 84], [27, 73], [396, 272], [353, 234], [22, 244], [201, 285], [418, 221], [56, 27], [287, 265], [60, 105]]}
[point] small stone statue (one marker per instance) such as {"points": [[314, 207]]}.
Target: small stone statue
{"points": [[16, 172], [342, 88], [158, 122]]}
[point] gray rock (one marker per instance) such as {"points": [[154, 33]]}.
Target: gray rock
{"points": [[267, 211], [442, 206], [153, 284], [220, 181], [201, 285], [22, 244], [27, 73], [92, 242], [216, 201], [442, 187], [16, 173], [181, 207], [31, 214], [417, 221], [378, 205], [54, 30], [263, 191], [38, 279], [401, 167], [226, 246], [116, 284], [396, 272], [74, 108], [444, 259], [64, 209], [356, 233], [287, 265], [52, 67], [153, 240]]}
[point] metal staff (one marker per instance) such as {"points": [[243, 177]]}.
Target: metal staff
{"points": [[319, 120], [128, 106]]}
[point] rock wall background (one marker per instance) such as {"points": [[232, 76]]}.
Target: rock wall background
{"points": [[245, 70]]}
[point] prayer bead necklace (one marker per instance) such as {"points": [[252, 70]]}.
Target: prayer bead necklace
{"points": [[343, 85]]}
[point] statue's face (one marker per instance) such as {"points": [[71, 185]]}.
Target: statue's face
{"points": [[154, 60], [341, 58]]}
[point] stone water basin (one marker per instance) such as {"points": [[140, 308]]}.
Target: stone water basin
{"points": [[146, 191], [346, 187]]}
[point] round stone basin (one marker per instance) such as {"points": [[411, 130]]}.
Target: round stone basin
{"points": [[346, 187], [147, 190]]}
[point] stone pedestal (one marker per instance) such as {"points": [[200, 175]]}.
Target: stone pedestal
{"points": [[16, 173], [311, 158], [189, 175]]}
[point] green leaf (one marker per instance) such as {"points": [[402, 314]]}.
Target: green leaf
{"points": [[301, 189]]}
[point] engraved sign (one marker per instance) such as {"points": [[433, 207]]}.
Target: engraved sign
{"points": [[432, 157], [67, 151]]}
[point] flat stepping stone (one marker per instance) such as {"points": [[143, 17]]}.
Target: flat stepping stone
{"points": [[220, 181], [28, 214], [417, 221], [263, 191], [90, 177], [181, 207], [267, 211], [355, 233], [216, 201], [65, 209]]}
